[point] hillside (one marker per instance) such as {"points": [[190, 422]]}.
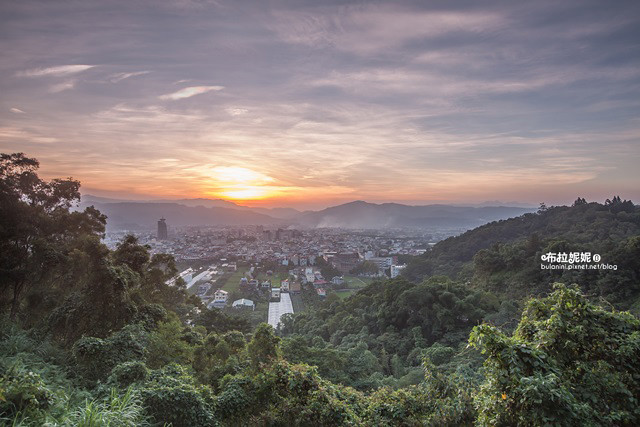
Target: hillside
{"points": [[504, 256]]}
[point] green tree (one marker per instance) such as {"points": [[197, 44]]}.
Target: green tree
{"points": [[366, 267], [169, 343], [264, 346], [569, 362], [37, 226]]}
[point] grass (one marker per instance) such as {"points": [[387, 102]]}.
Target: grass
{"points": [[261, 313], [296, 301], [233, 282], [345, 294], [255, 317], [277, 277], [357, 282], [35, 390], [116, 410]]}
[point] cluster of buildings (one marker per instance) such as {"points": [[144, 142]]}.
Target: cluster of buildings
{"points": [[298, 251], [287, 247]]}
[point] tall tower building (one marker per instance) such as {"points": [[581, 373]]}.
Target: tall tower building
{"points": [[162, 229]]}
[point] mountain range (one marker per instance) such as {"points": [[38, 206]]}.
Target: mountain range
{"points": [[133, 214]]}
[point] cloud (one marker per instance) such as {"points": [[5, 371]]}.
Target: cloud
{"points": [[236, 111], [61, 70], [16, 110], [117, 77], [236, 174], [125, 114], [188, 92], [12, 134], [373, 28], [69, 84]]}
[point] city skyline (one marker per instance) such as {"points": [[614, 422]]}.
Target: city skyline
{"points": [[310, 105]]}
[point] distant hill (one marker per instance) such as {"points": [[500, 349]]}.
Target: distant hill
{"points": [[354, 215], [143, 215], [282, 213], [360, 214]]}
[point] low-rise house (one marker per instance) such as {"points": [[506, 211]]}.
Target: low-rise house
{"points": [[295, 288], [396, 270], [319, 283], [244, 303], [219, 299]]}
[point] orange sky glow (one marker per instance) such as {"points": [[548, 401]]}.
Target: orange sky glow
{"points": [[308, 105]]}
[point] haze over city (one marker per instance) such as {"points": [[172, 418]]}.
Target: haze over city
{"points": [[311, 104]]}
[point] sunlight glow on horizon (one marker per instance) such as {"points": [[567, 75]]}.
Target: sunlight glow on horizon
{"points": [[238, 183], [245, 193]]}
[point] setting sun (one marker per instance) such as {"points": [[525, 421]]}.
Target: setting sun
{"points": [[234, 174], [246, 193], [238, 183]]}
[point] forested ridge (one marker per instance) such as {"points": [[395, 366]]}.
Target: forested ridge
{"points": [[476, 334], [504, 256]]}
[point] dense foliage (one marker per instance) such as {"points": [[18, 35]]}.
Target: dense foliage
{"points": [[568, 362], [379, 336], [96, 337]]}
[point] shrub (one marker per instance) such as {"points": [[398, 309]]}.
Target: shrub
{"points": [[128, 373], [172, 396], [96, 357], [22, 392]]}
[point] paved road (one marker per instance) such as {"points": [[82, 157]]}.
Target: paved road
{"points": [[277, 309]]}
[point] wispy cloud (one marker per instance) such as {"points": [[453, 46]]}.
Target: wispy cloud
{"points": [[370, 28], [12, 134], [236, 174], [117, 77], [58, 71], [236, 111], [125, 114], [60, 87], [188, 92], [16, 110]]}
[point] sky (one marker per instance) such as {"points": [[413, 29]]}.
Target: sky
{"points": [[313, 103]]}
